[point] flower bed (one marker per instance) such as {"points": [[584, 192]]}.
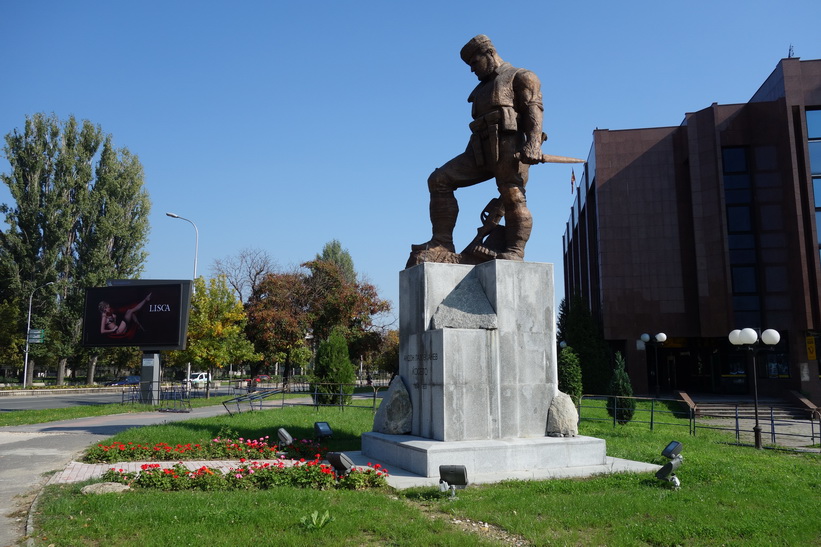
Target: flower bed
{"points": [[250, 476], [219, 448]]}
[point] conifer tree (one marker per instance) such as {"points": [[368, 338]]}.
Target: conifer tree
{"points": [[334, 374], [620, 404], [570, 374]]}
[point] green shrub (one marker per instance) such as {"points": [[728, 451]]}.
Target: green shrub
{"points": [[620, 405], [334, 374], [570, 374]]}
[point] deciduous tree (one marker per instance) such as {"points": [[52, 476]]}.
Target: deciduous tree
{"points": [[245, 270], [79, 217], [216, 328]]}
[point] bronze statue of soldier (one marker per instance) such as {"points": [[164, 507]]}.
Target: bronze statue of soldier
{"points": [[506, 138]]}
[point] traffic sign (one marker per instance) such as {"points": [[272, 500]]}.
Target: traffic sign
{"points": [[36, 336]]}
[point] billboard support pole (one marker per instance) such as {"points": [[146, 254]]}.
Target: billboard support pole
{"points": [[150, 378]]}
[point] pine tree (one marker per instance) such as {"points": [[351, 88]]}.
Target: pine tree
{"points": [[620, 404], [334, 374]]}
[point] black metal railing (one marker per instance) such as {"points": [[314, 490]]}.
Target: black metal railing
{"points": [[783, 430]]}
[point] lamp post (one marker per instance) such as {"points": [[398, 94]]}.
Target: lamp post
{"points": [[659, 338], [749, 338], [193, 288], [28, 331], [196, 240]]}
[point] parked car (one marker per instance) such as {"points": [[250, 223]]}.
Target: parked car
{"points": [[199, 379], [262, 378], [126, 381]]}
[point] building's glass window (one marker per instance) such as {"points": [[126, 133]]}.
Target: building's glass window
{"points": [[814, 124], [744, 279], [776, 365], [814, 146], [735, 160], [818, 224], [815, 158], [739, 219], [741, 241], [737, 182], [737, 196]]}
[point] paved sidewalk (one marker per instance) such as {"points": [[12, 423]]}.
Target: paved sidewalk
{"points": [[29, 452]]}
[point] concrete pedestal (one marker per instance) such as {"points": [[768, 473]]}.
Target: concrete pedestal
{"points": [[477, 356]]}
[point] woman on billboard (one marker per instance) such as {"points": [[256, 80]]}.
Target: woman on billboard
{"points": [[116, 326]]}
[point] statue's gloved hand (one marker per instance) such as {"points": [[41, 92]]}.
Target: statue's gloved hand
{"points": [[531, 153]]}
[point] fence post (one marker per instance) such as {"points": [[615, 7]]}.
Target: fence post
{"points": [[615, 408], [737, 431], [652, 413], [692, 417], [772, 424]]}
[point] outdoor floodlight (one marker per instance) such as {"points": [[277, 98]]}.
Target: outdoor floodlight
{"points": [[668, 472], [452, 477], [671, 450], [341, 463], [285, 438], [322, 431]]}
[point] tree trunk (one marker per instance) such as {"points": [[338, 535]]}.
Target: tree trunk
{"points": [[92, 369], [30, 373], [61, 371]]}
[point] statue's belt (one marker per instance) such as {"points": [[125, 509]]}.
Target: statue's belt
{"points": [[489, 127], [503, 119]]}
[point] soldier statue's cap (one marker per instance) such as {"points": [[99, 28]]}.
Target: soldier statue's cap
{"points": [[476, 45]]}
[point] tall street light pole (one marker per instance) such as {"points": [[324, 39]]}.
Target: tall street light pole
{"points": [[196, 240], [28, 331], [660, 338], [749, 338], [193, 287]]}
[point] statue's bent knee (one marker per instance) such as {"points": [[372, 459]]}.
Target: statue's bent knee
{"points": [[439, 182]]}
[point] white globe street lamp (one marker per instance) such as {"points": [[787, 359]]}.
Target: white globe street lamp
{"points": [[748, 338], [659, 338]]}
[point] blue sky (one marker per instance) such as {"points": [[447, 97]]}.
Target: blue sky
{"points": [[281, 126]]}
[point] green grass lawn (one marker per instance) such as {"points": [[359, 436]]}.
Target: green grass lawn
{"points": [[730, 495], [23, 417]]}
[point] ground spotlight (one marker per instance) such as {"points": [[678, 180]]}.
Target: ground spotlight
{"points": [[285, 438], [452, 477], [341, 463], [322, 431], [668, 472]]}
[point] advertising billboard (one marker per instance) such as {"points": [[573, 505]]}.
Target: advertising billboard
{"points": [[149, 314]]}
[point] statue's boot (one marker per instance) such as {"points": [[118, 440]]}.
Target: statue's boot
{"points": [[518, 224], [443, 212]]}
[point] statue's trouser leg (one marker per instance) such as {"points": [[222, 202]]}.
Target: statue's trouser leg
{"points": [[443, 212], [518, 222], [459, 172]]}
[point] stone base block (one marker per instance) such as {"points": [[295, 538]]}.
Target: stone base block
{"points": [[423, 456]]}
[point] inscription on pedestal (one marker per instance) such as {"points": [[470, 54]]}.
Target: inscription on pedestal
{"points": [[420, 371]]}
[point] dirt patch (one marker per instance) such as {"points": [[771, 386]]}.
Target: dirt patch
{"points": [[472, 527]]}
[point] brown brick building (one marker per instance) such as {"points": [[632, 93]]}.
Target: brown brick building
{"points": [[706, 227]]}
